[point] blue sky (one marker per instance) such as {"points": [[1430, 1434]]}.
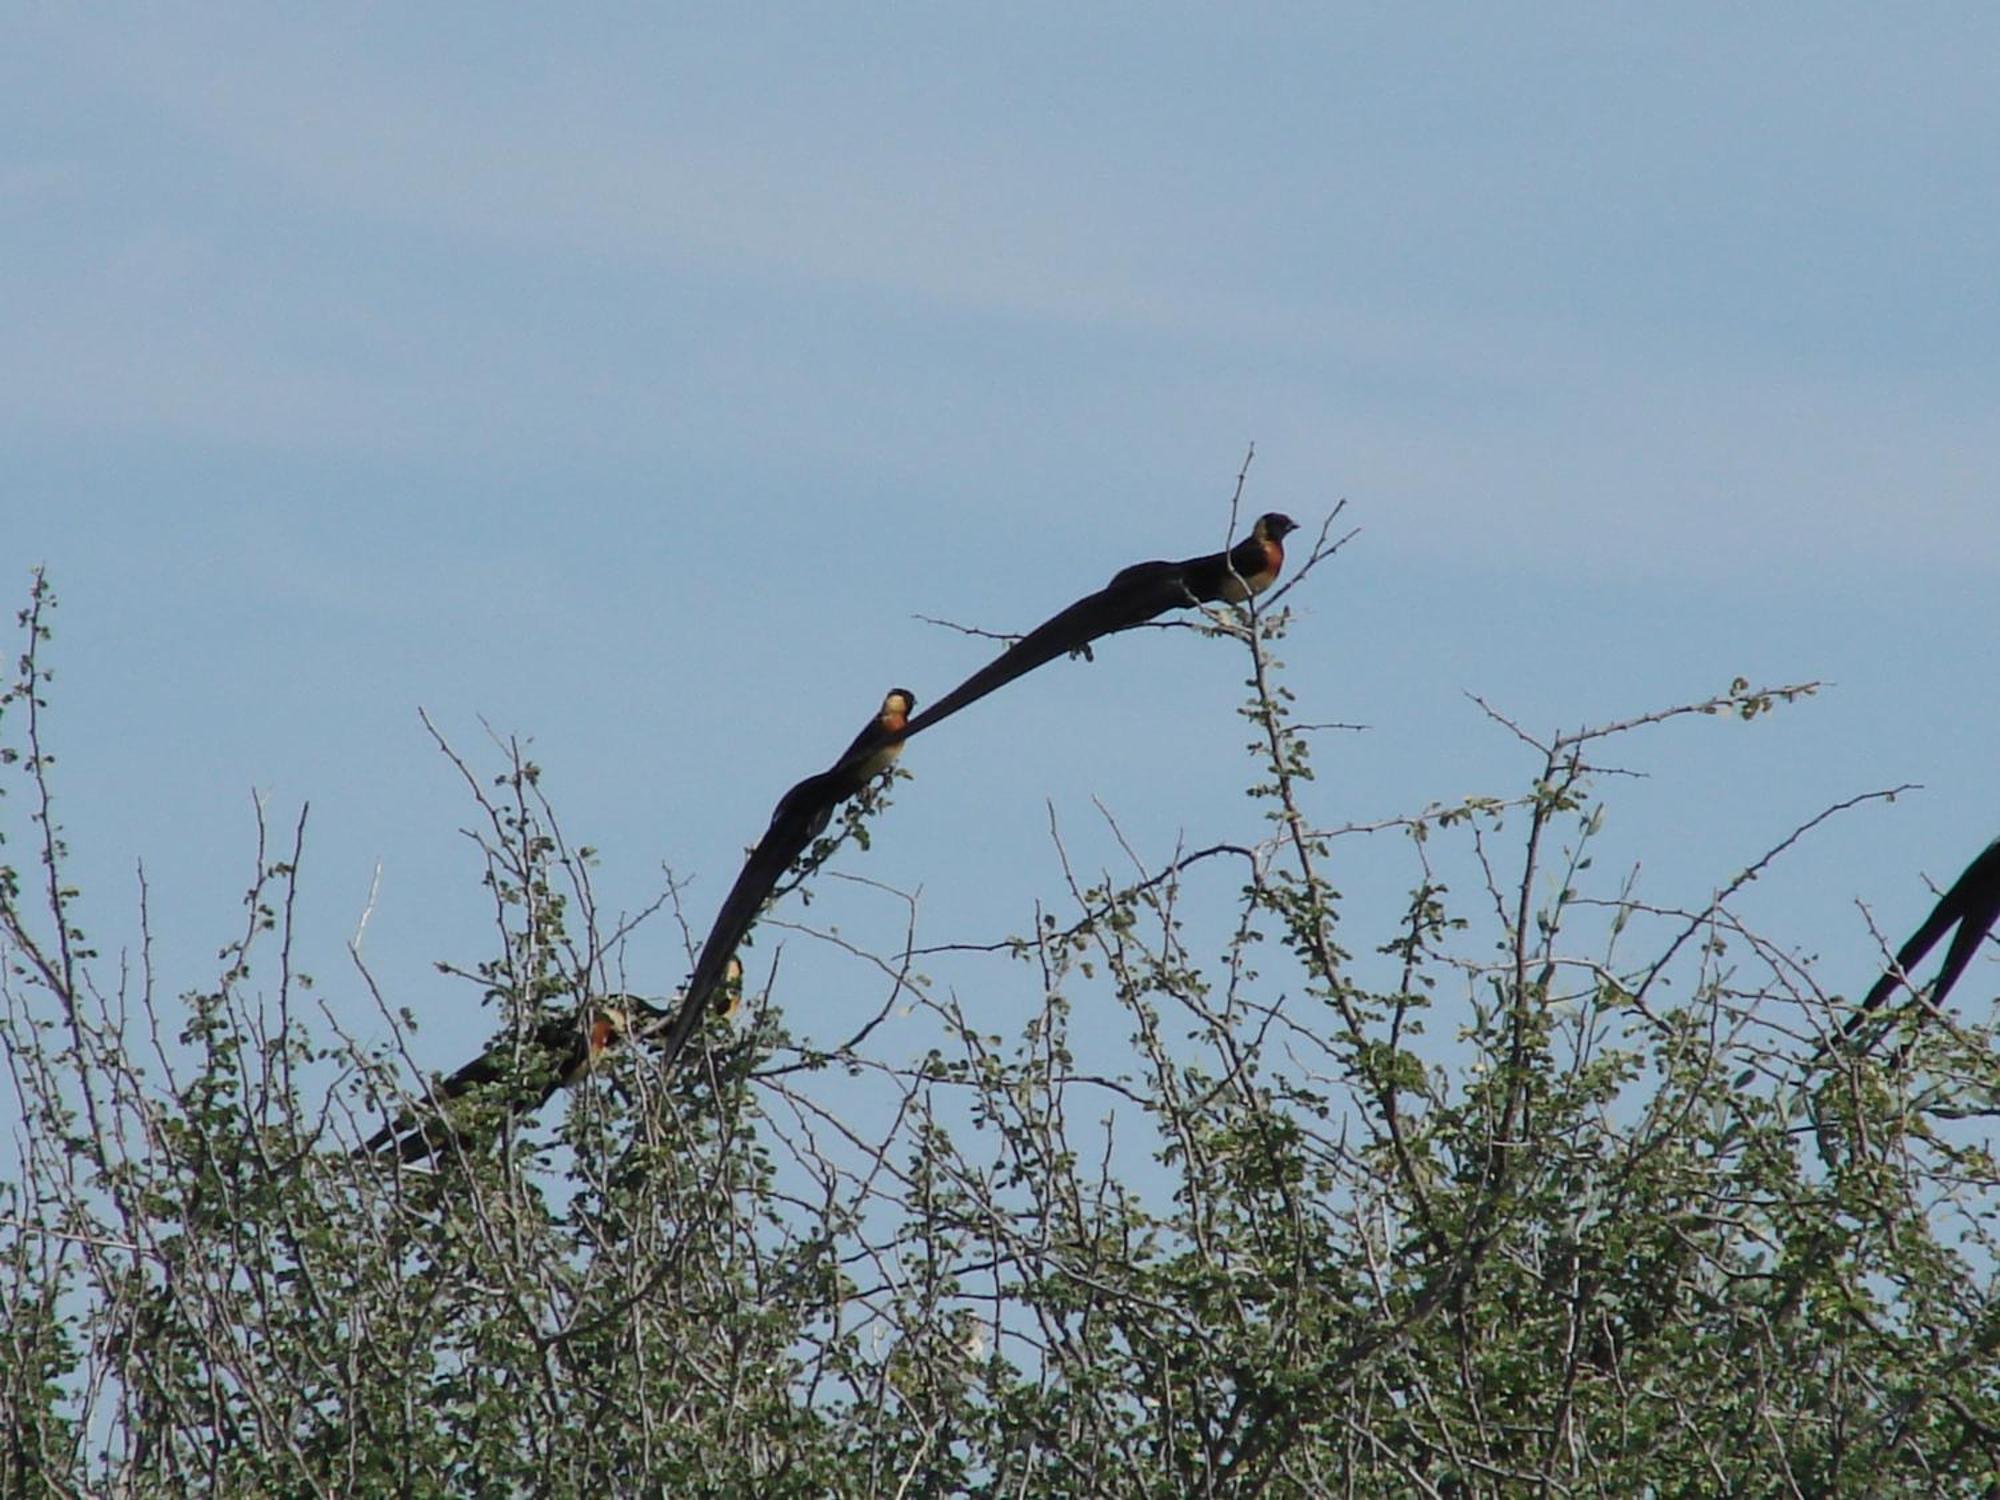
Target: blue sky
{"points": [[634, 381]]}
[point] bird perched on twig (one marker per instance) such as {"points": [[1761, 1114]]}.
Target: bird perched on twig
{"points": [[518, 1075], [1132, 597], [801, 816]]}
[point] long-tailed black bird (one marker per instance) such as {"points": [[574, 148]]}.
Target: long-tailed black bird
{"points": [[513, 1077], [800, 817], [1973, 906], [1134, 596], [517, 1077]]}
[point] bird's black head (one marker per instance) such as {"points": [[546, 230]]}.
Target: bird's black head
{"points": [[900, 700], [1276, 525]]}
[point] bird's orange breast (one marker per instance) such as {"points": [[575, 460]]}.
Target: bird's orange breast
{"points": [[1267, 574]]}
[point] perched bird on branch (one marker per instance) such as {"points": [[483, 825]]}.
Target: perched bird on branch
{"points": [[513, 1077], [1972, 905], [517, 1076], [1132, 597], [801, 816]]}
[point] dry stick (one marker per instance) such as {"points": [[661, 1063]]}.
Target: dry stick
{"points": [[1459, 1267], [1753, 871]]}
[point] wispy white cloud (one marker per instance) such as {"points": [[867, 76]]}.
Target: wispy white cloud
{"points": [[1155, 290], [968, 223]]}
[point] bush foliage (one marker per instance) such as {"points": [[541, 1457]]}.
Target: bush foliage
{"points": [[1549, 1191]]}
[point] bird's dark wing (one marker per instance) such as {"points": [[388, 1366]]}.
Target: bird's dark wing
{"points": [[1230, 577], [1136, 595], [418, 1140], [382, 1138], [1972, 904], [528, 1073]]}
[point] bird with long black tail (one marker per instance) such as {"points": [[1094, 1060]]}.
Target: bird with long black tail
{"points": [[801, 816], [1134, 596]]}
